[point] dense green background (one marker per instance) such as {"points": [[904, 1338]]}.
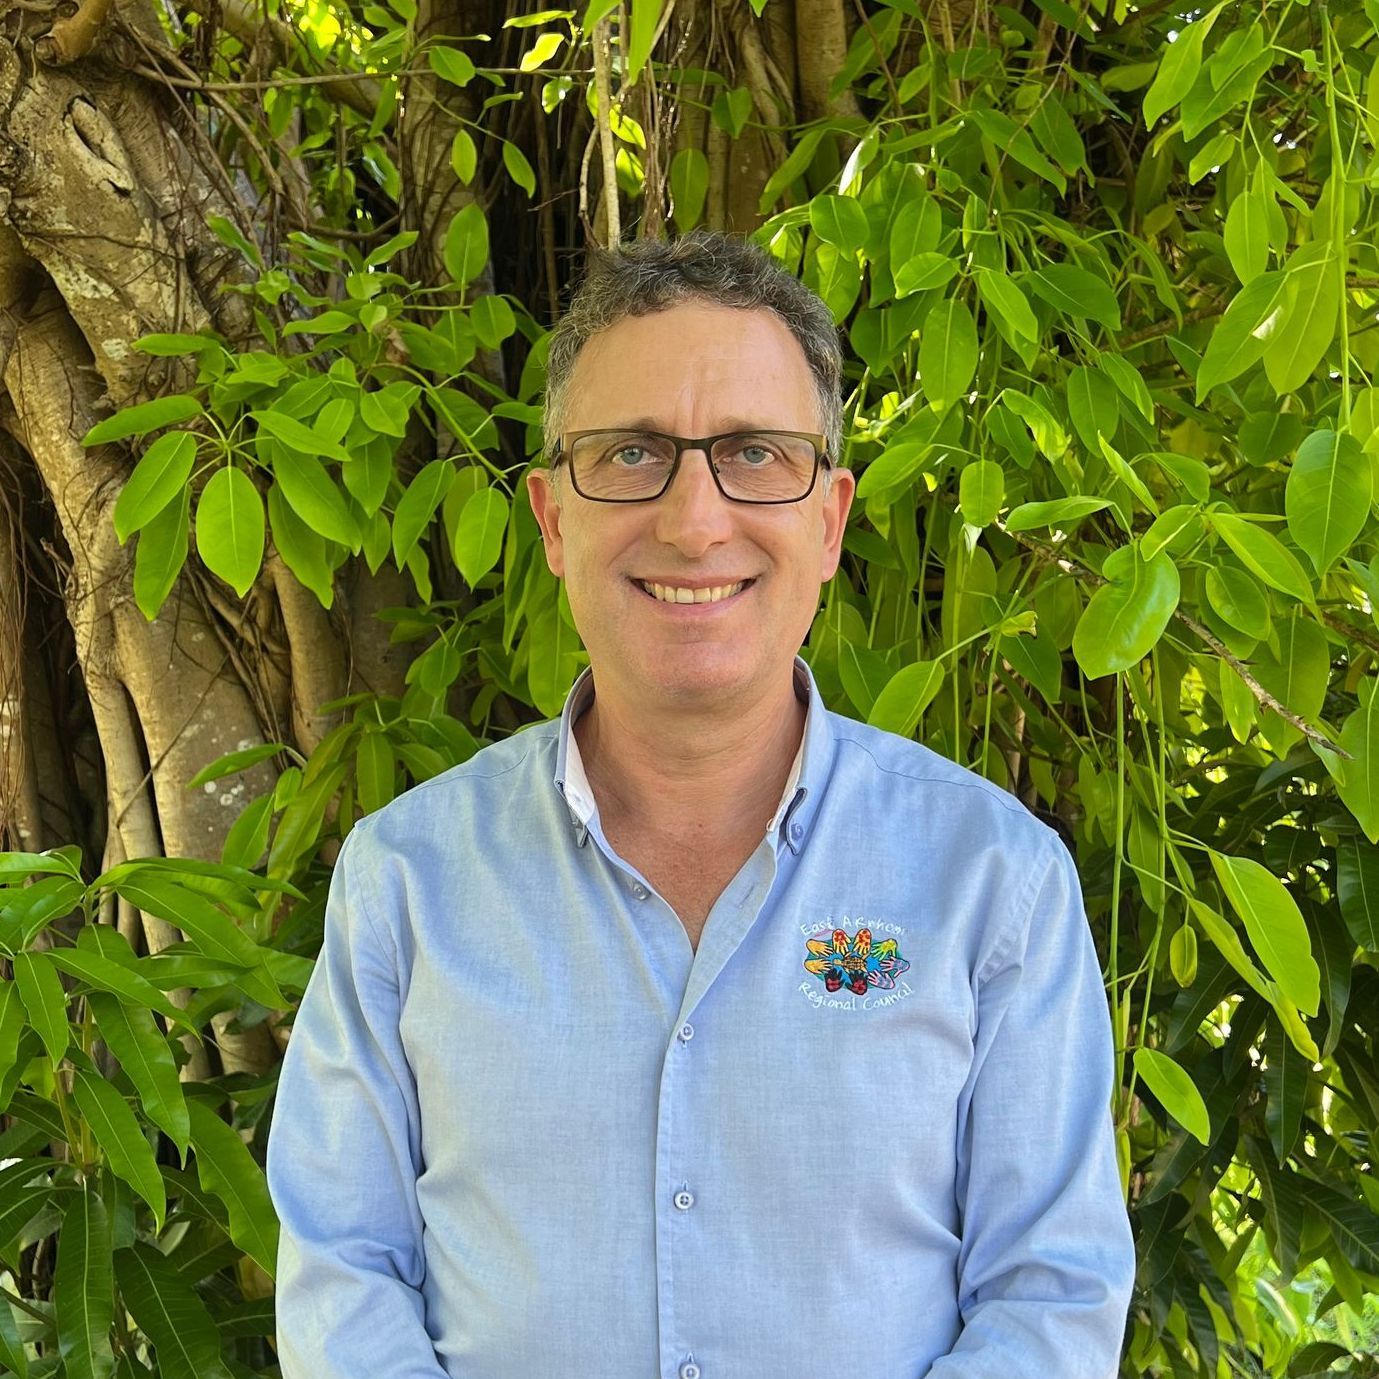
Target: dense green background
{"points": [[1109, 283]]}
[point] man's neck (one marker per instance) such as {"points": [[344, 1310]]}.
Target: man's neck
{"points": [[693, 775]]}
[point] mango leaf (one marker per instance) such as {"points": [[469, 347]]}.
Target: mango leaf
{"points": [[170, 1313], [1246, 235], [1275, 926], [981, 491], [147, 1061], [1357, 780], [119, 1134], [1076, 293], [1053, 512], [1176, 1090], [84, 1287], [40, 988], [227, 1170], [1178, 68], [1358, 890]]}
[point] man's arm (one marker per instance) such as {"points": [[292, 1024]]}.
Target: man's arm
{"points": [[1047, 1261], [343, 1150]]}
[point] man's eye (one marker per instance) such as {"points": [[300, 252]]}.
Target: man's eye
{"points": [[629, 456], [756, 454]]}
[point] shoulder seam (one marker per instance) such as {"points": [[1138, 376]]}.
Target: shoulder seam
{"points": [[1036, 880], [1003, 797]]}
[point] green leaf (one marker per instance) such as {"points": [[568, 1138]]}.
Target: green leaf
{"points": [[689, 185], [1264, 553], [119, 1134], [302, 548], [923, 272], [160, 553], [170, 1313], [147, 1061], [418, 505], [144, 417], [315, 497], [1246, 235], [452, 65], [645, 16], [300, 439], [466, 244], [160, 475], [840, 221], [1125, 618], [1275, 926], [1311, 319], [1093, 406], [1357, 780], [1243, 333], [1015, 142], [1238, 600], [897, 709], [478, 539], [1176, 1090], [464, 156], [519, 169], [947, 353], [1004, 298], [227, 1170], [1358, 891], [1327, 496], [1054, 512], [108, 975], [981, 491], [1178, 68], [40, 988], [547, 45], [84, 1287], [1076, 293], [1285, 1081], [493, 321]]}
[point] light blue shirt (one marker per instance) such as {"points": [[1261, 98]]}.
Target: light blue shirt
{"points": [[524, 1131]]}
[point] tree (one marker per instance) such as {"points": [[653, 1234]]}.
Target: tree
{"points": [[276, 291]]}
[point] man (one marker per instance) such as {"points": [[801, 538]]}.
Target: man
{"points": [[703, 1033]]}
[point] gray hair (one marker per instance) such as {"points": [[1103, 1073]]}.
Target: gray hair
{"points": [[644, 276]]}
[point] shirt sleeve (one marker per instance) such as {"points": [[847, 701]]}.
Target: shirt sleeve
{"points": [[1047, 1260], [342, 1161]]}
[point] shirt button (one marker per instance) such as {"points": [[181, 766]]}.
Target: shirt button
{"points": [[689, 1370], [796, 833], [639, 891], [686, 1033], [684, 1199]]}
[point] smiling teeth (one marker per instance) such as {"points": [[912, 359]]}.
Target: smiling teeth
{"points": [[669, 593]]}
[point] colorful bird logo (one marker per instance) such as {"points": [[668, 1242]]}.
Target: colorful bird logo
{"points": [[855, 961]]}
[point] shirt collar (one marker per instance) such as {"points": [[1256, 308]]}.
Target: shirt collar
{"points": [[808, 772]]}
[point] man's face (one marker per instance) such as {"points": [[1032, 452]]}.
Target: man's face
{"points": [[692, 370]]}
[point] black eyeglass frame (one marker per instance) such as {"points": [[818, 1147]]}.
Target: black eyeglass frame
{"points": [[683, 443]]}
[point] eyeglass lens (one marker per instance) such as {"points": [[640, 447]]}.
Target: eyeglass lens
{"points": [[756, 466]]}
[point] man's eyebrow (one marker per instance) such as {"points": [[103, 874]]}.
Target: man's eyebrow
{"points": [[726, 427]]}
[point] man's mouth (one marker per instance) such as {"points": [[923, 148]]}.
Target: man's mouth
{"points": [[679, 593]]}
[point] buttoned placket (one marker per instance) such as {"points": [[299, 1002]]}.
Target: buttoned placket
{"points": [[678, 1217]]}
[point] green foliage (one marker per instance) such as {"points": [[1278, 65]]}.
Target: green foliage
{"points": [[1109, 285]]}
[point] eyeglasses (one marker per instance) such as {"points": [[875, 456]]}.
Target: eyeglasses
{"points": [[628, 466]]}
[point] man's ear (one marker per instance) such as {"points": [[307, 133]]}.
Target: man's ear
{"points": [[837, 505], [545, 506]]}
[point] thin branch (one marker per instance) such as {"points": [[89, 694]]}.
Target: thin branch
{"points": [[1048, 554]]}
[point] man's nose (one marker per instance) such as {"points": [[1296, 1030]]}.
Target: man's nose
{"points": [[692, 514]]}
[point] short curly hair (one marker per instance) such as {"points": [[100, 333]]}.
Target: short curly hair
{"points": [[643, 276]]}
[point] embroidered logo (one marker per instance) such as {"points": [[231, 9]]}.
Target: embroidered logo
{"points": [[855, 962]]}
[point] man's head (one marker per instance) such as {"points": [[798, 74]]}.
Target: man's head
{"points": [[695, 337]]}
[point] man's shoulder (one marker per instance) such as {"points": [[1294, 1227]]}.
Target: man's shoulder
{"points": [[491, 773], [868, 753]]}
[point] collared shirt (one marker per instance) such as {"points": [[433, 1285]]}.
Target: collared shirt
{"points": [[524, 1130]]}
